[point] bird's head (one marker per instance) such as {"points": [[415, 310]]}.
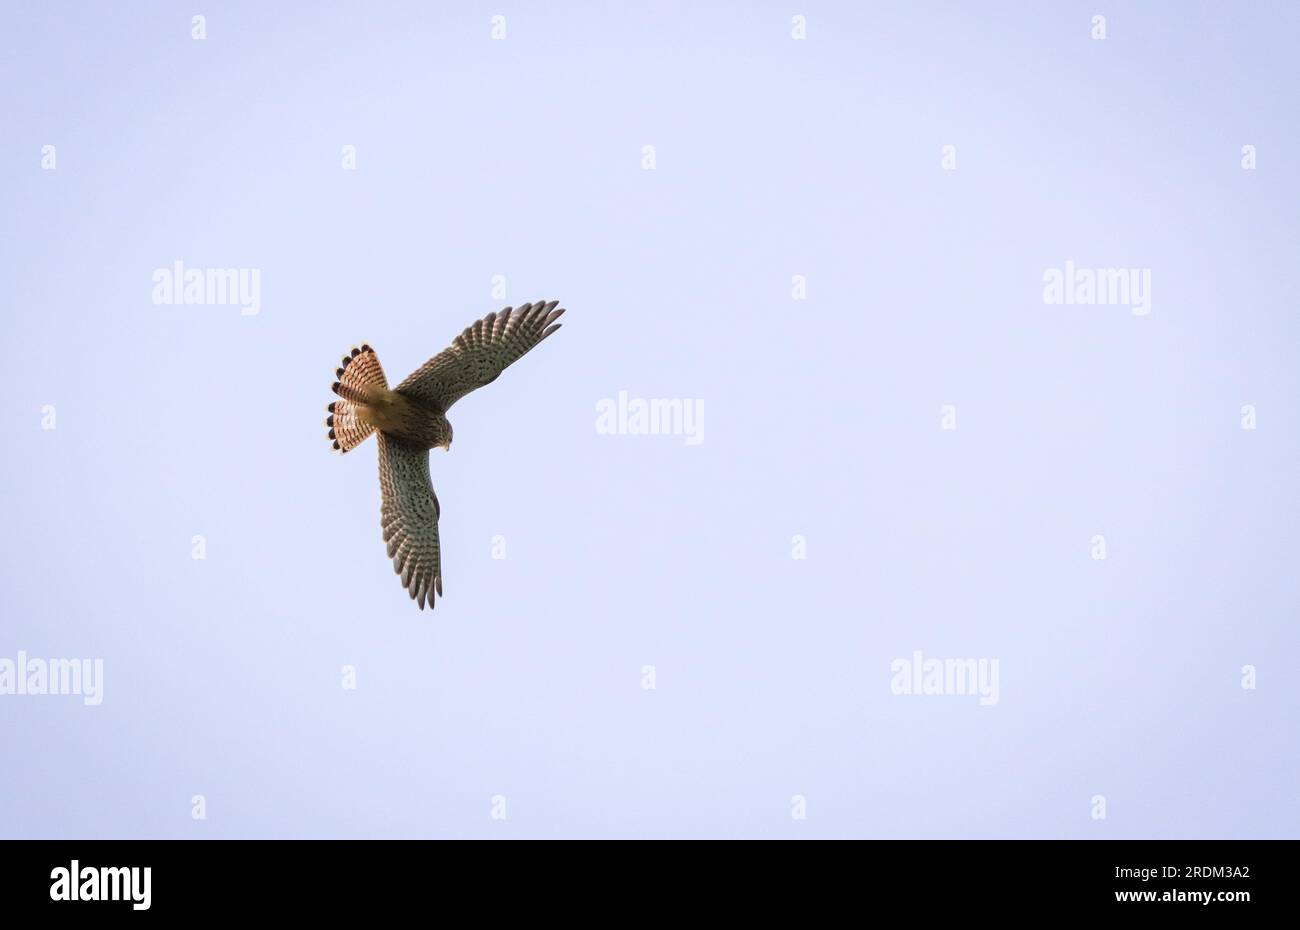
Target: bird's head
{"points": [[447, 444]]}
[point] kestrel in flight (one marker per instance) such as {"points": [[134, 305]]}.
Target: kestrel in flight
{"points": [[412, 419]]}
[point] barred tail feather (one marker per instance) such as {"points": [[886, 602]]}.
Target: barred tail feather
{"points": [[361, 378]]}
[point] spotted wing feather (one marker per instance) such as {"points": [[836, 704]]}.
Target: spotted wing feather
{"points": [[409, 516], [478, 355]]}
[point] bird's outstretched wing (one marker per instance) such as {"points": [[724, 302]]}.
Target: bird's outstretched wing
{"points": [[410, 518], [481, 353]]}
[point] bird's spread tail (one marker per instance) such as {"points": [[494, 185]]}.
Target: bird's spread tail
{"points": [[360, 380]]}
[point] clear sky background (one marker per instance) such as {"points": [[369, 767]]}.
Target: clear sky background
{"points": [[775, 157]]}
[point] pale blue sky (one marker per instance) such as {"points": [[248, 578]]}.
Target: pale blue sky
{"points": [[775, 158]]}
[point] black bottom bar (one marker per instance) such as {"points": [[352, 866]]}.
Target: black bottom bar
{"points": [[236, 878]]}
